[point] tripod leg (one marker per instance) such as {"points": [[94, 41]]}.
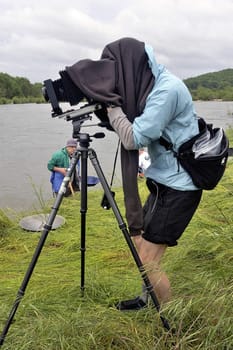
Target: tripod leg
{"points": [[122, 226], [47, 228], [83, 210]]}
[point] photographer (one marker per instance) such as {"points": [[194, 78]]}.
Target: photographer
{"points": [[149, 103], [173, 198]]}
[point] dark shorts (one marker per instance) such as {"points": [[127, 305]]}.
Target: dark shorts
{"points": [[167, 212]]}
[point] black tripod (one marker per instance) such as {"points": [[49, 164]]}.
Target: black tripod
{"points": [[83, 152]]}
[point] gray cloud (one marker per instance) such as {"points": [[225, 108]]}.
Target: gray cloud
{"points": [[39, 38]]}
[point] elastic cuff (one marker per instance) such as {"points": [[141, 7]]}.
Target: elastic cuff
{"points": [[134, 233]]}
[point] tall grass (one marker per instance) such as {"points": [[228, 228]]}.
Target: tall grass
{"points": [[54, 315]]}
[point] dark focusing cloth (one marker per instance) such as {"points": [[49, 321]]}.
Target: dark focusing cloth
{"points": [[121, 77]]}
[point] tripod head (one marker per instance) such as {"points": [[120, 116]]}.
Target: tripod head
{"points": [[84, 139], [78, 117]]}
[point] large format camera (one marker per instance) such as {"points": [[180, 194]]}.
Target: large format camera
{"points": [[64, 90]]}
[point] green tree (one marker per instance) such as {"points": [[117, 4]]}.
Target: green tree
{"points": [[19, 90], [217, 85], [24, 85]]}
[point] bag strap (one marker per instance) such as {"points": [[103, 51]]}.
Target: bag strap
{"points": [[168, 145]]}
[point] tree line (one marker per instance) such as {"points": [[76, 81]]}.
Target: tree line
{"points": [[19, 90], [210, 86]]}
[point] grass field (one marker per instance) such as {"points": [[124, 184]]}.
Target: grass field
{"points": [[54, 315]]}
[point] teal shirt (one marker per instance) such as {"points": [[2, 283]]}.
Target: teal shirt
{"points": [[169, 112], [59, 159]]}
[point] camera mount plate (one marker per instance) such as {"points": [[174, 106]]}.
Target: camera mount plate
{"points": [[80, 114]]}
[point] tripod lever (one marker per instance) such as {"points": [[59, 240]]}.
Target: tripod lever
{"points": [[99, 135]]}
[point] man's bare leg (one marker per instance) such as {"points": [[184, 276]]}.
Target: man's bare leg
{"points": [[151, 255], [137, 241]]}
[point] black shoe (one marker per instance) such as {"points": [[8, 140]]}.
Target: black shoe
{"points": [[132, 304]]}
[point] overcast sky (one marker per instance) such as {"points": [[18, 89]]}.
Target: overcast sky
{"points": [[38, 38]]}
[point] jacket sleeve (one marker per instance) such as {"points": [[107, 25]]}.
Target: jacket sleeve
{"points": [[52, 162], [122, 126], [50, 165]]}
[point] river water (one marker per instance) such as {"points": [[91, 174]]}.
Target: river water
{"points": [[29, 135]]}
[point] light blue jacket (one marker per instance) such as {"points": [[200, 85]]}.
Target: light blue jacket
{"points": [[169, 112]]}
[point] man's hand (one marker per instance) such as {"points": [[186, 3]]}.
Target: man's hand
{"points": [[102, 114], [60, 170]]}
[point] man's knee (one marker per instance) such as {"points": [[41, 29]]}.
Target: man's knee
{"points": [[150, 252]]}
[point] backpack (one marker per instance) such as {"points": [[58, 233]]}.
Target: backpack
{"points": [[204, 156]]}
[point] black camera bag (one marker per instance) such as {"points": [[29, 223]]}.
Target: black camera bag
{"points": [[206, 170]]}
